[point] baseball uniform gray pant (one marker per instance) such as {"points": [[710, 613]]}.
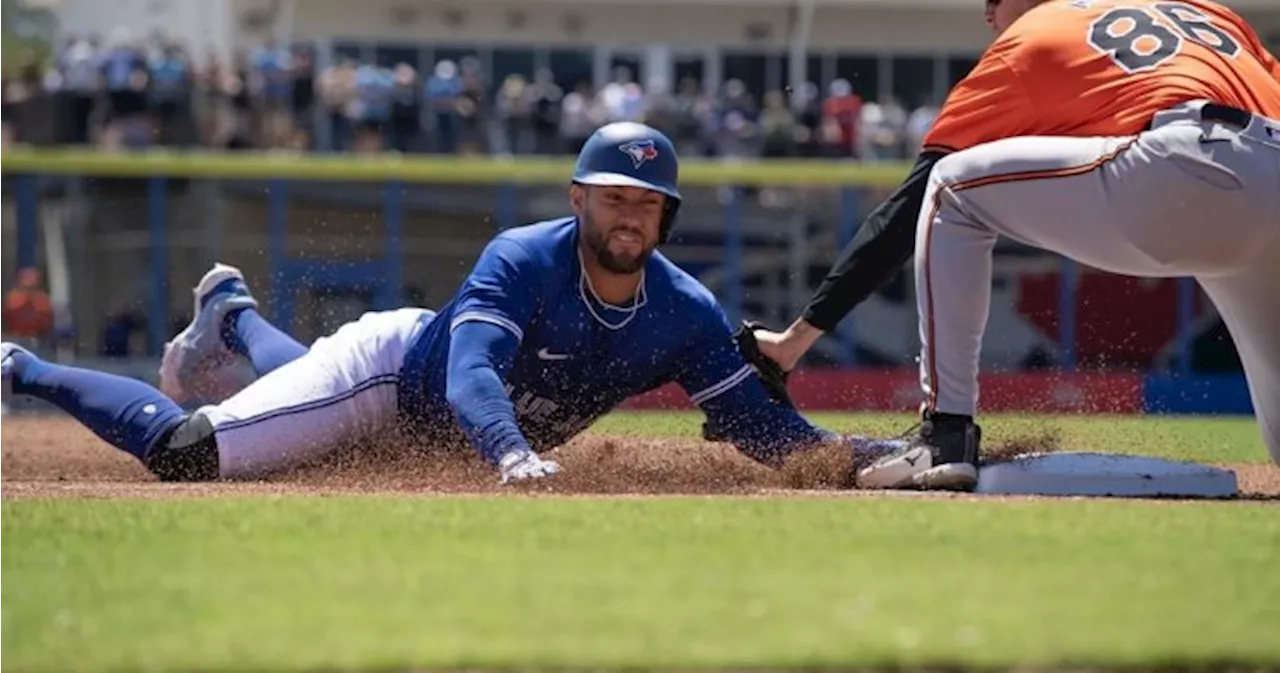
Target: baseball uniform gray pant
{"points": [[1188, 197]]}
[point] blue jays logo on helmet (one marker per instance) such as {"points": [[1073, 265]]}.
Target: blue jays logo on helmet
{"points": [[640, 151]]}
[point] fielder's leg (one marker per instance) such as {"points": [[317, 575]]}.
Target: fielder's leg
{"points": [[1188, 197], [1249, 304], [955, 237]]}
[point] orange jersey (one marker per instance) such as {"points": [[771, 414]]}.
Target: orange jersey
{"points": [[1104, 68]]}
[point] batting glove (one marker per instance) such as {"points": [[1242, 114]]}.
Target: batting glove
{"points": [[520, 465]]}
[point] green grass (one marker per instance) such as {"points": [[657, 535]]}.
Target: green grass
{"points": [[383, 582], [1227, 439]]}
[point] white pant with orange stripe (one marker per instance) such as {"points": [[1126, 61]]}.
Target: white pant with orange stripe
{"points": [[1186, 198]]}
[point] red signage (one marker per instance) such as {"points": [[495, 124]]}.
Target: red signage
{"points": [[899, 390]]}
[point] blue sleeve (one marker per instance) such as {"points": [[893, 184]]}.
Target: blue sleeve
{"points": [[502, 288], [480, 355], [737, 405], [494, 305]]}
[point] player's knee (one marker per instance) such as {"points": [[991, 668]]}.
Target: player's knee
{"points": [[948, 170], [189, 453]]}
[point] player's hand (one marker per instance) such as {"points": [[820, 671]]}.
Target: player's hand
{"points": [[786, 348], [522, 465], [769, 372], [776, 347]]}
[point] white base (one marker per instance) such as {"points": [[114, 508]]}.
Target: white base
{"points": [[1104, 474]]}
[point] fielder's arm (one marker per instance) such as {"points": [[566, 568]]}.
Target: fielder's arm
{"points": [[988, 104], [880, 247]]}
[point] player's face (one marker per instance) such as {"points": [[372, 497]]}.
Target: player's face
{"points": [[620, 224], [1002, 13]]}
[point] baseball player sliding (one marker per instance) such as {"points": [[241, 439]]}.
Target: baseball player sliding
{"points": [[557, 324], [1139, 137]]}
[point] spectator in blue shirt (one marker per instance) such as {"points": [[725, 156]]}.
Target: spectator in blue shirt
{"points": [[443, 90], [80, 65], [272, 77], [374, 86], [171, 95], [406, 106], [124, 71]]}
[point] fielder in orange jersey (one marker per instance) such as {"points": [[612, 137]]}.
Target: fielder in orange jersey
{"points": [[1140, 137]]}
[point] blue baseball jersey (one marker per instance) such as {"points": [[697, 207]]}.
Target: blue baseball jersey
{"points": [[526, 356]]}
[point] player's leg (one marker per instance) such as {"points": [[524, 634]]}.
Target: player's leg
{"points": [[344, 389], [266, 347], [341, 390], [1249, 304], [955, 238], [126, 413], [1162, 204], [1186, 198], [226, 346], [1049, 193]]}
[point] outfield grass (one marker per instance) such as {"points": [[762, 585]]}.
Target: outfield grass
{"points": [[383, 582]]}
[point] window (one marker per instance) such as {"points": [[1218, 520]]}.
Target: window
{"points": [[863, 73], [629, 61], [812, 72], [913, 80], [958, 67], [512, 62], [391, 55], [349, 50], [693, 67], [571, 67], [751, 69]]}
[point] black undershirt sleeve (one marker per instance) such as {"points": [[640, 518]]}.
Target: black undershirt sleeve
{"points": [[881, 246]]}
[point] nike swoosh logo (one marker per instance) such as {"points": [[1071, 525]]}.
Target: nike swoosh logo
{"points": [[910, 459], [545, 354]]}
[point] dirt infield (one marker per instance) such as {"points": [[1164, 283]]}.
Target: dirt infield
{"points": [[55, 457]]}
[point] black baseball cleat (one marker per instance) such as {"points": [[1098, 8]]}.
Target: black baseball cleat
{"points": [[942, 456]]}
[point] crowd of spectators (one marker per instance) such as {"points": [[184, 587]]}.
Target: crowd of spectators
{"points": [[126, 92]]}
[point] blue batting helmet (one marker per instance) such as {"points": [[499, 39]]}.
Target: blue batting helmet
{"points": [[627, 154]]}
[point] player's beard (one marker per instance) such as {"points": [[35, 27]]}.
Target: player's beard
{"points": [[598, 242]]}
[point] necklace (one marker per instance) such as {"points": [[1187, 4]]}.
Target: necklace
{"points": [[638, 300]]}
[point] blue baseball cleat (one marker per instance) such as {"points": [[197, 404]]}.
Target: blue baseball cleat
{"points": [[197, 365]]}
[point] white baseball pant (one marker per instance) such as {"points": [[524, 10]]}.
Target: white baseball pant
{"points": [[343, 389], [1189, 197]]}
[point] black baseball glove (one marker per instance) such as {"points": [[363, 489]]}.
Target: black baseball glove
{"points": [[771, 373]]}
